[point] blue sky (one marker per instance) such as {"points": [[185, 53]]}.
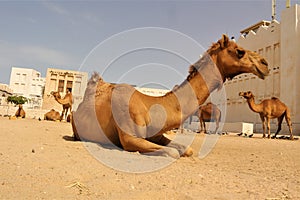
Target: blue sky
{"points": [[60, 34]]}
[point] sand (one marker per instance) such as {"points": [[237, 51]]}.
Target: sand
{"points": [[39, 160]]}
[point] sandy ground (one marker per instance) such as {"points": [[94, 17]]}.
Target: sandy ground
{"points": [[39, 161]]}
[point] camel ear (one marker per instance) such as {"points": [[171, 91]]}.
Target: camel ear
{"points": [[192, 69], [224, 41]]}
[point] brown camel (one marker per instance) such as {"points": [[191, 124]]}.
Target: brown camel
{"points": [[269, 109], [120, 115], [20, 112], [66, 102], [209, 113], [52, 115]]}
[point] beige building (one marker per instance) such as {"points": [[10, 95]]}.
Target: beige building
{"points": [[279, 43], [63, 81], [5, 91]]}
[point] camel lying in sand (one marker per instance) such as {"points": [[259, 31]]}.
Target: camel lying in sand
{"points": [[209, 113], [52, 115], [120, 115], [269, 109], [20, 113]]}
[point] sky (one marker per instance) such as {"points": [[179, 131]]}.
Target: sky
{"points": [[138, 42]]}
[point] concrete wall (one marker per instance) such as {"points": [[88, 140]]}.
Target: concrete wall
{"points": [[279, 43]]}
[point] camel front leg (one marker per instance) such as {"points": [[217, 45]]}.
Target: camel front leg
{"points": [[201, 125], [66, 114], [62, 115], [132, 143], [184, 151]]}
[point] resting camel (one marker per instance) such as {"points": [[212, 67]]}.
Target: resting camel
{"points": [[52, 115], [20, 112], [209, 113], [120, 115], [66, 102], [269, 109]]}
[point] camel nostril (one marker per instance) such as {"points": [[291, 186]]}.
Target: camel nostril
{"points": [[263, 61]]}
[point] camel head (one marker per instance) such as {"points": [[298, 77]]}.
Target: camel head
{"points": [[246, 95], [55, 94], [233, 60]]}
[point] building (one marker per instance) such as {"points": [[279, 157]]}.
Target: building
{"points": [[63, 81], [279, 43], [5, 91], [28, 83]]}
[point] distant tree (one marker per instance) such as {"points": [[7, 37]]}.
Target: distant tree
{"points": [[17, 100]]}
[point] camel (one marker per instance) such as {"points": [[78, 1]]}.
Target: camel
{"points": [[66, 102], [20, 112], [269, 109], [52, 115], [117, 114], [69, 117], [209, 113]]}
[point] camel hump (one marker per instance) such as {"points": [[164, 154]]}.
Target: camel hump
{"points": [[95, 78]]}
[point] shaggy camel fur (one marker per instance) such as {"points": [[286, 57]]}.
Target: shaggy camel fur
{"points": [[120, 115], [269, 109], [52, 115], [209, 113], [20, 112], [66, 102]]}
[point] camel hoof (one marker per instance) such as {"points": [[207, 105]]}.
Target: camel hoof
{"points": [[167, 151], [188, 152]]}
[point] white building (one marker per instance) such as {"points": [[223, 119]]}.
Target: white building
{"points": [[279, 43], [5, 91], [28, 83]]}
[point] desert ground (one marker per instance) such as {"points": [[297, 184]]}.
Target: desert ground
{"points": [[39, 160]]}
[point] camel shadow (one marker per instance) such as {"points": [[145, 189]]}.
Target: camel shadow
{"points": [[69, 138], [106, 146]]}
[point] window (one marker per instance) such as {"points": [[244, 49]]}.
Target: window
{"points": [[61, 84], [24, 76], [18, 77], [53, 85], [77, 88], [69, 85]]}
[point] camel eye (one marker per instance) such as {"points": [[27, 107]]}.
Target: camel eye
{"points": [[240, 53]]}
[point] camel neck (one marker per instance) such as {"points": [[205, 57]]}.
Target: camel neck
{"points": [[62, 101], [196, 89], [254, 107]]}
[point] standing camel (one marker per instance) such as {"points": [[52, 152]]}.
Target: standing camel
{"points": [[269, 109], [118, 114], [209, 113], [66, 102]]}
